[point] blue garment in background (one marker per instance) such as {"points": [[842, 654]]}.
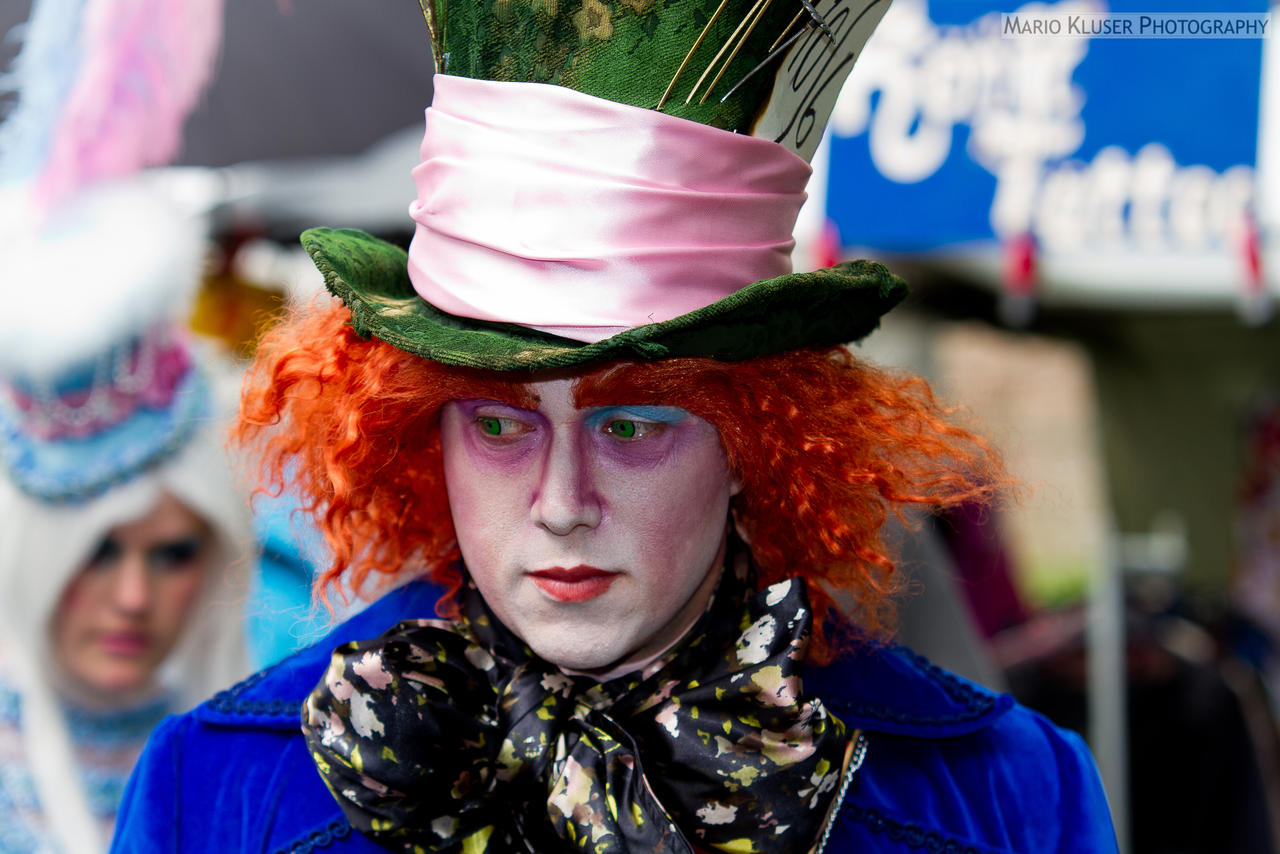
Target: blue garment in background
{"points": [[105, 744], [280, 616]]}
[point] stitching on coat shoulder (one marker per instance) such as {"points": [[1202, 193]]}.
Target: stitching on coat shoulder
{"points": [[317, 839]]}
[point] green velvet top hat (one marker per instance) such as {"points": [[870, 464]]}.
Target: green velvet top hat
{"points": [[616, 179]]}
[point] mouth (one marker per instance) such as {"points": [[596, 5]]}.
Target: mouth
{"points": [[125, 644], [574, 584]]}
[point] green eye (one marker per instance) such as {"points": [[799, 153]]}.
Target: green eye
{"points": [[623, 429], [489, 425]]}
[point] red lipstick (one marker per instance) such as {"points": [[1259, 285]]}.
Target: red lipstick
{"points": [[575, 584]]}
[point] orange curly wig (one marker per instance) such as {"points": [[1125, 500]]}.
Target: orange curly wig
{"points": [[824, 445]]}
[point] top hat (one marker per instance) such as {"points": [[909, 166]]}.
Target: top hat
{"points": [[608, 179], [100, 384]]}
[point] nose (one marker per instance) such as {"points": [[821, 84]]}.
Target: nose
{"points": [[131, 588], [566, 500]]}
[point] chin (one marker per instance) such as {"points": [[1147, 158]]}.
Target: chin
{"points": [[107, 683], [586, 656]]}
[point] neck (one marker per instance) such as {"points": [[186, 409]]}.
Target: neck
{"points": [[90, 699], [632, 663]]}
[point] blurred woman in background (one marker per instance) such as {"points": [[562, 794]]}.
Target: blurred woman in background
{"points": [[123, 536]]}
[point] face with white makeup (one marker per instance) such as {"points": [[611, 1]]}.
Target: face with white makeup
{"points": [[596, 534]]}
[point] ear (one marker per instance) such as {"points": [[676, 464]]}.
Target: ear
{"points": [[737, 527], [735, 479]]}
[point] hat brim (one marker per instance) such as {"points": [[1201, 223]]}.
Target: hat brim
{"points": [[73, 469], [836, 305]]}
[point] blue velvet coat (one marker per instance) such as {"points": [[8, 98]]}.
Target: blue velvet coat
{"points": [[950, 767]]}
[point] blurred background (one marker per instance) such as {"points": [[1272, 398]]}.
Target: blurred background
{"points": [[1089, 227]]}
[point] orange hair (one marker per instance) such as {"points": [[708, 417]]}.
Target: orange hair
{"points": [[823, 444]]}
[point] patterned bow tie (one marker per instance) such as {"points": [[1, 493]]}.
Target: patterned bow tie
{"points": [[453, 737]]}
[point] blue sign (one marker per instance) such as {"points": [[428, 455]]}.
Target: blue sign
{"points": [[960, 126]]}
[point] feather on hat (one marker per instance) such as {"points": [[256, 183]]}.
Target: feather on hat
{"points": [[95, 380]]}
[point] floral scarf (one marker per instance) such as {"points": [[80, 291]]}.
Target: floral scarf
{"points": [[453, 737]]}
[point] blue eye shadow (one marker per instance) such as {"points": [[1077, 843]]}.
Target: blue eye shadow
{"points": [[657, 414]]}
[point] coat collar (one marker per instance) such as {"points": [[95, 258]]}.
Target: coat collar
{"points": [[879, 689], [892, 690]]}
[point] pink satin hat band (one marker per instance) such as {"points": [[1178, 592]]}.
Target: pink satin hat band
{"points": [[544, 207]]}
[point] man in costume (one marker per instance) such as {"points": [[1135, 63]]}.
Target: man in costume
{"points": [[610, 467]]}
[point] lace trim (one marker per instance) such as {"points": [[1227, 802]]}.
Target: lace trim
{"points": [[857, 755]]}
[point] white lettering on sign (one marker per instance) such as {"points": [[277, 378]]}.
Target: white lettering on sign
{"points": [[1022, 109]]}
